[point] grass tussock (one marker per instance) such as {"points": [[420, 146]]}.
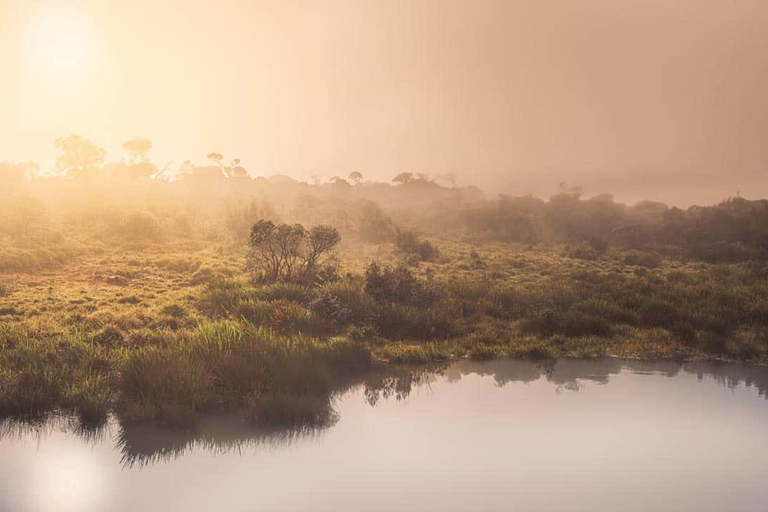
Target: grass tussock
{"points": [[236, 365], [153, 315]]}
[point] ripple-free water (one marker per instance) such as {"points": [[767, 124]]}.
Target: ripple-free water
{"points": [[480, 436]]}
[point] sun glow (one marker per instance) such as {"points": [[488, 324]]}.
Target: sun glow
{"points": [[61, 43]]}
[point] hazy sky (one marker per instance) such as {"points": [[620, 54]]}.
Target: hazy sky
{"points": [[650, 98]]}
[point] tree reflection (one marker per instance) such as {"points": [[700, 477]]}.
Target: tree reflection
{"points": [[143, 443]]}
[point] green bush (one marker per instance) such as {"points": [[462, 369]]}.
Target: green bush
{"points": [[291, 318], [398, 285], [342, 303]]}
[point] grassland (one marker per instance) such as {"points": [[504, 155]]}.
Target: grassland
{"points": [[168, 328], [134, 298]]}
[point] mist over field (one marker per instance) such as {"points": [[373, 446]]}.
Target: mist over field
{"points": [[237, 225], [646, 100]]}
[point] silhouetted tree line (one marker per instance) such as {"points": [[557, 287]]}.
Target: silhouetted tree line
{"points": [[733, 230]]}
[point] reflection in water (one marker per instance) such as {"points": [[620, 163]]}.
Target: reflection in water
{"points": [[571, 434], [143, 443], [566, 373]]}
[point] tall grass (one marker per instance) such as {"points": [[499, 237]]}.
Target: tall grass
{"points": [[226, 363]]}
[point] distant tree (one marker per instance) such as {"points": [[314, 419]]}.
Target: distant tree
{"points": [[316, 179], [137, 150], [356, 177], [291, 253], [233, 170], [138, 167], [404, 177], [79, 157], [215, 157], [338, 180]]}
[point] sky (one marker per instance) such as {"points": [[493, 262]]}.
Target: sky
{"points": [[655, 99]]}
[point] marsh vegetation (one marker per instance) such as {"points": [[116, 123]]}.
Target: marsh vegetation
{"points": [[162, 295]]}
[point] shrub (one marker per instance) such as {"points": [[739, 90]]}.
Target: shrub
{"points": [[290, 317], [398, 285], [410, 243], [342, 303], [292, 253]]}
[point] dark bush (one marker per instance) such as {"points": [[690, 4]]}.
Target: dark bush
{"points": [[410, 243], [342, 303], [398, 285]]}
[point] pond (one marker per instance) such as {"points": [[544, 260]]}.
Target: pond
{"points": [[498, 435]]}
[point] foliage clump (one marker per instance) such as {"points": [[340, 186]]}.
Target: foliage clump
{"points": [[291, 253], [410, 243], [398, 285]]}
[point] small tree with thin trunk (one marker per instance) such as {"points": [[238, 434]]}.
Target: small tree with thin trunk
{"points": [[356, 177], [291, 253]]}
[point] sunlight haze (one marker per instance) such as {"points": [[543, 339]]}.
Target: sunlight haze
{"points": [[646, 99]]}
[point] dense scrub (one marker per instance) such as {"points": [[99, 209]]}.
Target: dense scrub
{"points": [[733, 230], [164, 299]]}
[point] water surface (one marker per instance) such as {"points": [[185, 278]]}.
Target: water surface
{"points": [[499, 435]]}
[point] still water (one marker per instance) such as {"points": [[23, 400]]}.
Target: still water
{"points": [[499, 435]]}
